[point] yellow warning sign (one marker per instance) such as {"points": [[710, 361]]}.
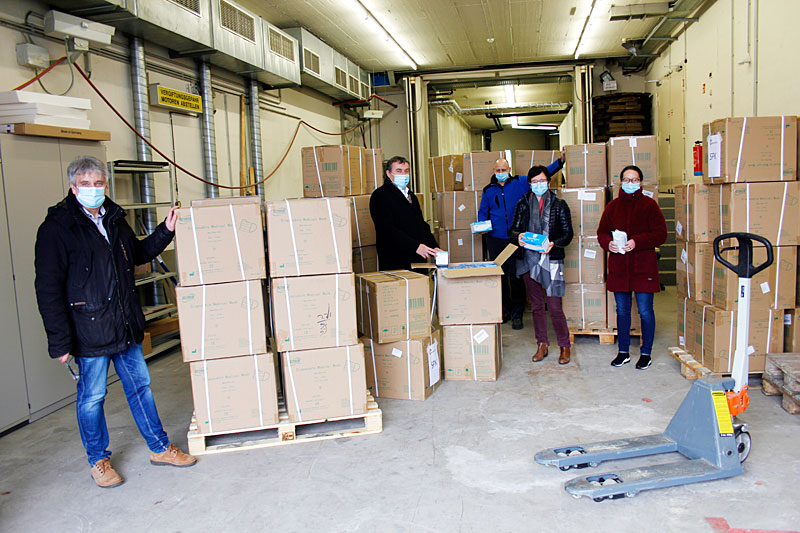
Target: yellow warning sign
{"points": [[723, 414], [177, 100]]}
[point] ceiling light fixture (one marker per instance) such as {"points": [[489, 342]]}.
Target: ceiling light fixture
{"points": [[577, 52], [368, 16]]}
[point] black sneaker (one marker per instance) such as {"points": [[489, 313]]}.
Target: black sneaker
{"points": [[516, 322], [643, 362], [621, 359]]}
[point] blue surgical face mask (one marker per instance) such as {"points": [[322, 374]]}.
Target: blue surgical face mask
{"points": [[501, 176], [91, 197], [631, 188], [539, 188], [401, 180]]}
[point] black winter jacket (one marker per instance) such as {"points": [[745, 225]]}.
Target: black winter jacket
{"points": [[84, 285], [560, 222], [399, 227]]}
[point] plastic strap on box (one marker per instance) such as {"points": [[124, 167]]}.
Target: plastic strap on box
{"points": [[360, 170], [294, 239], [408, 365], [455, 195], [702, 331], [747, 193], [472, 170], [472, 241], [499, 336], [783, 148], [632, 144], [349, 378], [583, 308], [249, 320], [361, 258], [476, 204], [361, 298], [777, 275], [688, 223], [739, 157], [258, 388], [208, 397], [580, 258], [769, 331], [585, 168], [294, 389], [531, 165], [349, 169], [374, 170], [448, 240], [236, 240], [333, 236], [408, 303], [472, 349], [358, 229], [288, 311], [196, 248], [316, 166], [783, 211], [684, 323], [374, 368], [688, 275], [435, 185], [336, 300], [203, 323]]}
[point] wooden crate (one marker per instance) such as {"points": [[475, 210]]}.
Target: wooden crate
{"points": [[605, 335], [782, 376]]}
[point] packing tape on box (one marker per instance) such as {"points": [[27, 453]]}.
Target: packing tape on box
{"points": [[472, 349], [258, 386], [236, 240], [291, 231], [739, 157], [358, 229], [333, 236], [294, 389], [349, 378], [374, 368], [319, 178], [196, 248], [208, 397], [288, 311]]}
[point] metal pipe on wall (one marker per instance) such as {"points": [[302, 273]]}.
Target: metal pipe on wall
{"points": [[208, 130], [255, 133]]}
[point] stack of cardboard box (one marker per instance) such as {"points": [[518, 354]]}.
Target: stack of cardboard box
{"points": [[313, 308], [749, 185], [525, 159], [394, 318], [221, 307], [457, 210]]}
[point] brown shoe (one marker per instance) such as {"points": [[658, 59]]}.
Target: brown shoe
{"points": [[172, 456], [563, 359], [104, 474], [541, 353]]}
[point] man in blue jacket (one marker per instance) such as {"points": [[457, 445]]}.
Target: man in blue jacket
{"points": [[498, 203]]}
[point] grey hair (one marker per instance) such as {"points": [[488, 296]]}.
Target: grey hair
{"points": [[85, 165]]}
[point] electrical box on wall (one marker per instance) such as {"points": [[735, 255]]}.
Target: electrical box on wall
{"points": [[31, 55], [373, 113]]}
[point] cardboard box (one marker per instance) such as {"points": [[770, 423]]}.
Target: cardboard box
{"points": [[476, 299], [446, 173], [682, 308], [393, 305], [472, 352], [309, 236], [405, 370], [479, 169], [641, 151], [222, 320], [584, 305], [463, 245], [611, 307], [773, 287], [691, 213], [62, 132], [147, 344], [761, 208], [693, 268], [750, 149], [235, 393], [365, 259], [457, 210], [791, 330], [525, 159], [373, 166], [324, 383], [585, 260], [719, 338], [362, 228], [162, 326], [219, 241], [651, 191], [586, 207], [586, 166], [333, 171], [311, 312]]}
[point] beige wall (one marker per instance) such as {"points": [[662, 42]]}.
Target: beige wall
{"points": [[631, 83], [450, 134], [720, 74]]}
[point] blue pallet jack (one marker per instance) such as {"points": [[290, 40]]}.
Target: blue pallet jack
{"points": [[703, 429]]}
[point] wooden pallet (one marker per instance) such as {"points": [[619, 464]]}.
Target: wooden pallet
{"points": [[782, 376], [286, 432], [605, 335], [690, 368]]}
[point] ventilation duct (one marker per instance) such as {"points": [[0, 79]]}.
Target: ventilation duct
{"points": [[208, 129], [504, 109]]}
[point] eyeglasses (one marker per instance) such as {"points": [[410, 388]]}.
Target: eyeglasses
{"points": [[631, 180], [543, 180]]}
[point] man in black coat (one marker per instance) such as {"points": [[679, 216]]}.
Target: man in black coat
{"points": [[402, 235], [85, 255]]}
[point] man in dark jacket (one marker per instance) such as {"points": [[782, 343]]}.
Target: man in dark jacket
{"points": [[499, 200], [85, 254], [402, 235]]}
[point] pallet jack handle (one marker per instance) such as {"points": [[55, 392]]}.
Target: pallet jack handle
{"points": [[738, 399]]}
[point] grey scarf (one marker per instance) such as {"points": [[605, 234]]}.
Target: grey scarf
{"points": [[548, 273]]}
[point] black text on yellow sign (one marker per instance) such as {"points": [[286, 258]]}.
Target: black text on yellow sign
{"points": [[724, 423], [173, 99]]}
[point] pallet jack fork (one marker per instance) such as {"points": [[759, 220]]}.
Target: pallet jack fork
{"points": [[703, 429]]}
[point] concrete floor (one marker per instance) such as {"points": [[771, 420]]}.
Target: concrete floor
{"points": [[460, 461]]}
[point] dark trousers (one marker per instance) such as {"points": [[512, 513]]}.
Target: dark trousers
{"points": [[513, 287], [538, 298]]}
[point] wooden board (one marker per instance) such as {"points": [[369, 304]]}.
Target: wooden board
{"points": [[782, 376], [41, 130], [286, 432], [605, 335], [690, 368]]}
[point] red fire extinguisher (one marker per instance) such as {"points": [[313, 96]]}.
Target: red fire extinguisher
{"points": [[697, 151]]}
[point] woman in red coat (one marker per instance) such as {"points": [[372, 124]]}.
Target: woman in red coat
{"points": [[639, 227]]}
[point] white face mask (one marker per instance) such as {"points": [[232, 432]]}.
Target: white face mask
{"points": [[91, 197]]}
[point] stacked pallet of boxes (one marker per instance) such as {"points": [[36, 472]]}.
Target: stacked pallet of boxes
{"points": [[313, 308], [401, 348], [221, 305], [457, 201], [749, 185], [525, 159]]}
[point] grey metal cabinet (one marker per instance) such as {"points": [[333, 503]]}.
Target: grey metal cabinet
{"points": [[34, 178]]}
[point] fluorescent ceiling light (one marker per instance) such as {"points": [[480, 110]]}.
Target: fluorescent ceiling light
{"points": [[369, 17]]}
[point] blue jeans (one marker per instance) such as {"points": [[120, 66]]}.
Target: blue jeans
{"points": [[132, 371], [645, 302]]}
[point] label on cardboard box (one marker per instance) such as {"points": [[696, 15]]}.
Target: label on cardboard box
{"points": [[460, 242], [413, 376], [681, 340], [434, 368], [678, 227], [480, 336], [647, 193], [751, 350], [765, 287], [397, 352], [585, 195], [714, 155], [459, 176], [684, 256], [787, 319], [462, 207], [591, 254]]}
